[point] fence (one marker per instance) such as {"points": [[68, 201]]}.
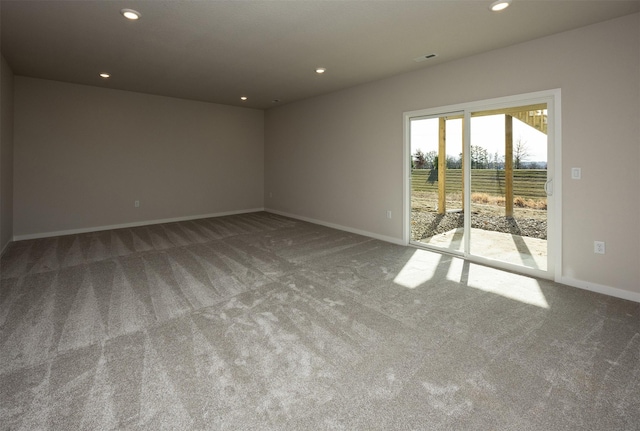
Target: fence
{"points": [[527, 183]]}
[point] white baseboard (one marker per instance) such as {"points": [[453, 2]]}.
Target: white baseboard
{"points": [[134, 224], [599, 288], [580, 284], [339, 227], [593, 287]]}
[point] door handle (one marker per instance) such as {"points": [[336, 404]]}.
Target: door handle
{"points": [[548, 187]]}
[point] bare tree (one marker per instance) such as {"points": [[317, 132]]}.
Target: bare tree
{"points": [[520, 153], [497, 161], [420, 162], [479, 157], [454, 162], [428, 160], [431, 158]]}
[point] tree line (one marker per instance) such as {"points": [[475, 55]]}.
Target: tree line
{"points": [[480, 159]]}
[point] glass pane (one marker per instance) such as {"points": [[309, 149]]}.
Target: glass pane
{"points": [[437, 215], [508, 173]]}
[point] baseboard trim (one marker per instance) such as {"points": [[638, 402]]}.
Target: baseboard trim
{"points": [[580, 284], [338, 227], [134, 224], [6, 246], [600, 288]]}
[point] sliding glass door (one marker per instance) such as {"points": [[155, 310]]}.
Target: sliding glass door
{"points": [[437, 190], [509, 174], [481, 181]]}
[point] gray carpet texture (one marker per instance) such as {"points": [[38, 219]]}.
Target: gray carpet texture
{"points": [[261, 322]]}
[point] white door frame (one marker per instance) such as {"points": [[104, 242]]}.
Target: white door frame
{"points": [[554, 173]]}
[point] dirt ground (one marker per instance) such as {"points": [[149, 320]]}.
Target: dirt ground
{"points": [[428, 202]]}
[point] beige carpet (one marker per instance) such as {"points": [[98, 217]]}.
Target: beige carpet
{"points": [[259, 322]]}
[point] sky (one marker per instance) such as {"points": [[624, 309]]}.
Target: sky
{"points": [[486, 131]]}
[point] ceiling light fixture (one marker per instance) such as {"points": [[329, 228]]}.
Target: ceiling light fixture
{"points": [[130, 14], [499, 5], [105, 75], [320, 70], [243, 97]]}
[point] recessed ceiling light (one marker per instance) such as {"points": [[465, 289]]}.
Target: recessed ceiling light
{"points": [[320, 70], [243, 97], [499, 5], [130, 14], [105, 75]]}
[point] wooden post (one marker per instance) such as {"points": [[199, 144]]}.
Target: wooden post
{"points": [[442, 165], [508, 165]]}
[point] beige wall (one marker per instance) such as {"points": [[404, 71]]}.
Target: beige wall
{"points": [[338, 158], [6, 154], [84, 154]]}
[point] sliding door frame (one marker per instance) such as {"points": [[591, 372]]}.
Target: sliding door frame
{"points": [[554, 161]]}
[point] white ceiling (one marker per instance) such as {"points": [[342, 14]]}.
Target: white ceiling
{"points": [[216, 51]]}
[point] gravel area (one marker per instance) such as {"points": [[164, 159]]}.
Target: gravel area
{"points": [[426, 224]]}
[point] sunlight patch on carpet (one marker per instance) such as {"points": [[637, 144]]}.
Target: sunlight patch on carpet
{"points": [[517, 287], [419, 269]]}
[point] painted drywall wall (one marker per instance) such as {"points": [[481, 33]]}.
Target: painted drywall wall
{"points": [[339, 158], [84, 154], [6, 154]]}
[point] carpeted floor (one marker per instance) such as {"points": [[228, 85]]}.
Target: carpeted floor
{"points": [[260, 322]]}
